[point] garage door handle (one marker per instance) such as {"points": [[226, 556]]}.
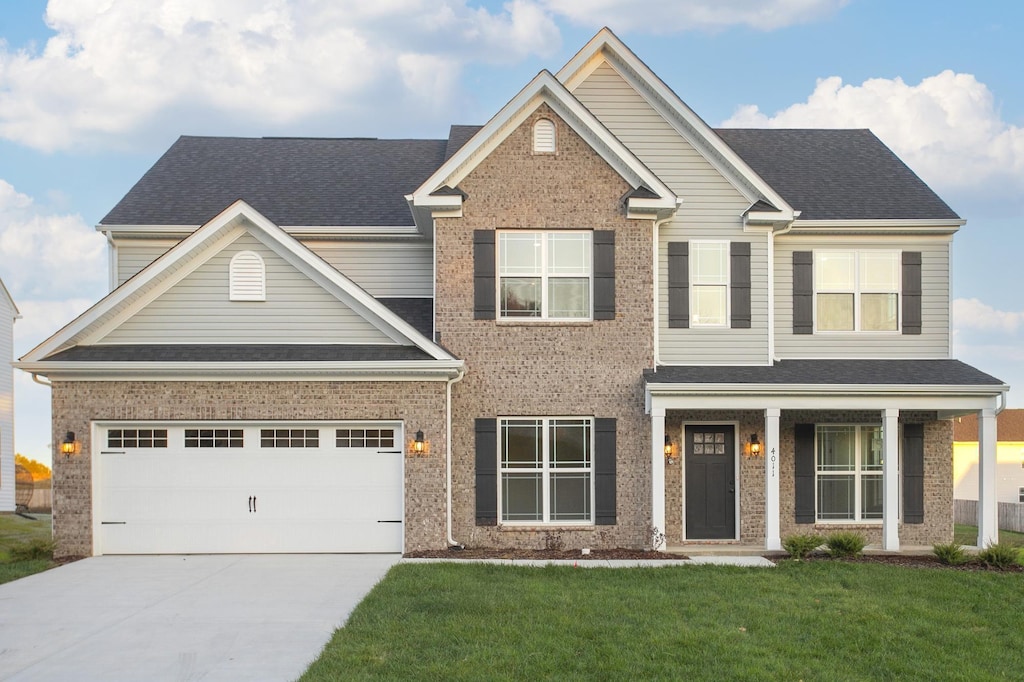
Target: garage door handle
{"points": [[252, 504], [398, 521]]}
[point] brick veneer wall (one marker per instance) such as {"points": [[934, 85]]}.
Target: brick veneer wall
{"points": [[550, 369], [420, 405]]}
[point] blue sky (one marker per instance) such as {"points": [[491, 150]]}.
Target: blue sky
{"points": [[93, 91]]}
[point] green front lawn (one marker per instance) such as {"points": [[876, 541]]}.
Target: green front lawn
{"points": [[808, 620], [968, 535], [17, 535]]}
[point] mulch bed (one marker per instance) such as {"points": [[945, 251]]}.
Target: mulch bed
{"points": [[542, 554], [911, 561]]}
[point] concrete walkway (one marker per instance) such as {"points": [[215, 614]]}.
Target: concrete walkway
{"points": [[746, 561], [226, 617]]}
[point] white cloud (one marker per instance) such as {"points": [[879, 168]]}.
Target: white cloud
{"points": [[46, 255], [116, 66], [668, 16], [947, 128], [970, 314]]}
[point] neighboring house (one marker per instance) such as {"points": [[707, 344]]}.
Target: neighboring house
{"points": [[8, 314], [491, 340], [1009, 457]]}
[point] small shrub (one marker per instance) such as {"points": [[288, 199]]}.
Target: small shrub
{"points": [[30, 551], [999, 555], [800, 545], [951, 554], [845, 544]]}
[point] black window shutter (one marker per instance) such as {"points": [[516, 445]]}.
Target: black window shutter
{"points": [[803, 451], [913, 473], [739, 284], [604, 274], [803, 292], [911, 292], [483, 275], [604, 471], [486, 472], [679, 285]]}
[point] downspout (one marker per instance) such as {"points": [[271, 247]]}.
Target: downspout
{"points": [[657, 320], [111, 260], [771, 289], [35, 378], [448, 456]]}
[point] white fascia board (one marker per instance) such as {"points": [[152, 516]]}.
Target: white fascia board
{"points": [[939, 226], [125, 232], [544, 88], [613, 49], [7, 295], [822, 396], [175, 230], [408, 370]]}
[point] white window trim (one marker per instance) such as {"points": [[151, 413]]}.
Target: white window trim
{"points": [[858, 473], [693, 284], [1020, 494], [546, 470], [857, 293], [544, 277]]}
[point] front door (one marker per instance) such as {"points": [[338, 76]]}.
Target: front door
{"points": [[710, 499]]}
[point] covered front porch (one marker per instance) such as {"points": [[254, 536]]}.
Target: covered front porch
{"points": [[744, 456]]}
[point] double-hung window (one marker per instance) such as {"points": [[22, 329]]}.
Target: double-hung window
{"points": [[709, 284], [547, 469], [848, 469], [857, 290], [545, 275]]}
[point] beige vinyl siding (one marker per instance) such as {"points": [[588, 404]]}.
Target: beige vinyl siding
{"points": [[400, 269], [197, 309], [712, 209], [7, 477], [133, 256], [933, 342], [715, 345]]}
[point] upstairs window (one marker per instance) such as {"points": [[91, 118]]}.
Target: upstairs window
{"points": [[545, 275], [247, 277], [857, 290], [544, 136], [709, 284]]}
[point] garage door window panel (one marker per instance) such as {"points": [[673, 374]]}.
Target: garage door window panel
{"points": [[364, 438], [137, 438], [214, 438], [290, 438]]}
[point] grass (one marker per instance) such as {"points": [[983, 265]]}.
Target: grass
{"points": [[801, 620], [18, 532], [968, 535]]}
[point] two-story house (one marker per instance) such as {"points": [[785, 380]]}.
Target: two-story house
{"points": [[8, 314], [593, 321]]}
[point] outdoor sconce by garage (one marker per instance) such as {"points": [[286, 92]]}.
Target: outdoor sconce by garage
{"points": [[70, 446], [753, 448], [419, 446], [670, 453]]}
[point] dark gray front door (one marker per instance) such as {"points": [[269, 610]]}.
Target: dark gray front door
{"points": [[710, 482]]}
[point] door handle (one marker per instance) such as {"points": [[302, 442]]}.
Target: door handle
{"points": [[253, 504]]}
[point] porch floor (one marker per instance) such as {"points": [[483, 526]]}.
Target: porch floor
{"points": [[737, 549]]}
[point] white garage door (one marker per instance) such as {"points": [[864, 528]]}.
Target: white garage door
{"points": [[209, 488]]}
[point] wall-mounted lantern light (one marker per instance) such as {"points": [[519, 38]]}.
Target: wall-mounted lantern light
{"points": [[753, 448], [70, 446], [670, 452], [419, 446]]}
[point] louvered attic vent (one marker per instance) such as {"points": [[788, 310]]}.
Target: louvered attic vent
{"points": [[248, 277], [544, 136]]}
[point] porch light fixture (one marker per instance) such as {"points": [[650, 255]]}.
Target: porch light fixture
{"points": [[670, 453], [70, 446], [753, 448], [419, 446]]}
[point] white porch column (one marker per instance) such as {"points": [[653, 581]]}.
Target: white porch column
{"points": [[772, 532], [890, 480], [988, 504], [658, 472]]}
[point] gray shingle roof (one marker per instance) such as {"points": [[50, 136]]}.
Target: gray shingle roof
{"points": [[240, 353], [836, 174], [419, 312], [458, 136], [292, 181], [830, 372]]}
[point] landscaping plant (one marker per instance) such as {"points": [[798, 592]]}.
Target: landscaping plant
{"points": [[951, 554], [800, 545], [846, 544], [999, 555]]}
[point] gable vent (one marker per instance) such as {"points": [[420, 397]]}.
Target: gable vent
{"points": [[544, 136], [248, 277]]}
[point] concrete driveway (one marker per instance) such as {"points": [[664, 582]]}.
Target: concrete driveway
{"points": [[226, 617]]}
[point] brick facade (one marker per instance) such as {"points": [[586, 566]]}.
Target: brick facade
{"points": [[550, 369], [420, 405]]}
